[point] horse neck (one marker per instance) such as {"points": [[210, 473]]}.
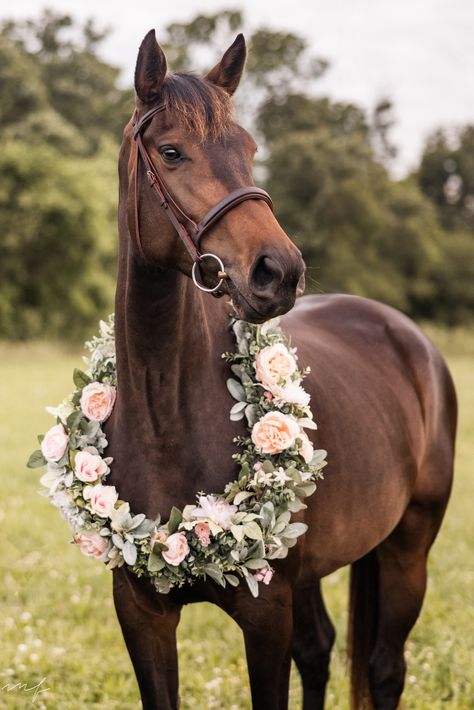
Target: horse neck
{"points": [[168, 334]]}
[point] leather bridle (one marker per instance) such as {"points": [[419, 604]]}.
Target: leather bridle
{"points": [[190, 232]]}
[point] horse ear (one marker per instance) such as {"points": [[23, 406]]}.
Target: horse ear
{"points": [[150, 70], [228, 72]]}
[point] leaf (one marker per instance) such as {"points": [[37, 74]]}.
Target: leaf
{"points": [[117, 540], [253, 531], [296, 505], [137, 521], [238, 532], [307, 423], [232, 579], [215, 573], [236, 389], [255, 563], [80, 378], [155, 562], [294, 530], [243, 495], [72, 422], [238, 407], [251, 414], [174, 520], [237, 417], [252, 585], [36, 459], [129, 553]]}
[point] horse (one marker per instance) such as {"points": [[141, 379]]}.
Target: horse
{"points": [[383, 398]]}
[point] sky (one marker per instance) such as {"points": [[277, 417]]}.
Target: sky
{"points": [[420, 53]]}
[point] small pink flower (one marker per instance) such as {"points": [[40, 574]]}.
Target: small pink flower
{"points": [[97, 401], [268, 395], [203, 532], [177, 550], [89, 467], [158, 536], [92, 544], [54, 444], [257, 466], [264, 575], [102, 499]]}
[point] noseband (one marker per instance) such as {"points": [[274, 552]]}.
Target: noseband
{"points": [[190, 232]]}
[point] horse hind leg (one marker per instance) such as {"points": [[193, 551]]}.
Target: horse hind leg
{"points": [[313, 638], [398, 574]]}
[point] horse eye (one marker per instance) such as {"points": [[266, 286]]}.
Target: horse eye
{"points": [[170, 153]]}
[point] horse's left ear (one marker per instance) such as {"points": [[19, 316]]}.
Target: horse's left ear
{"points": [[150, 70], [228, 72]]}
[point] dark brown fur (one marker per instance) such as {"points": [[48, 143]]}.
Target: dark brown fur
{"points": [[381, 394]]}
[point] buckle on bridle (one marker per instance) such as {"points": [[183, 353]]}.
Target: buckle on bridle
{"points": [[221, 273]]}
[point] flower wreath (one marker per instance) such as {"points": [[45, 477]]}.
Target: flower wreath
{"points": [[227, 536]]}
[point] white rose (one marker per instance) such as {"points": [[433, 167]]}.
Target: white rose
{"points": [[291, 393]]}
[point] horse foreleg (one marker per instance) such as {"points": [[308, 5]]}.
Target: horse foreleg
{"points": [[313, 638], [267, 625], [148, 621]]}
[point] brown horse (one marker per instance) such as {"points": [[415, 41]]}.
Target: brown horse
{"points": [[382, 395]]}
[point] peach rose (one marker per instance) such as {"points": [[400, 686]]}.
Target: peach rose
{"points": [[97, 401], [275, 432], [92, 544], [54, 444], [102, 499], [177, 549], [89, 467], [203, 532], [273, 363]]}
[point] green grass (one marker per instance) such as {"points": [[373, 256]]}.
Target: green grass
{"points": [[56, 615]]}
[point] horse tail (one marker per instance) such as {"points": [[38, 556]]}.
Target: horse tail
{"points": [[363, 611]]}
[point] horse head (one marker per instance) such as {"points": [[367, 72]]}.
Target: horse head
{"points": [[209, 220]]}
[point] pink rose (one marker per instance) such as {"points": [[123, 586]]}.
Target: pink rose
{"points": [[102, 499], [177, 549], [273, 363], [54, 444], [97, 401], [203, 532], [92, 544], [89, 467], [264, 575], [275, 432]]}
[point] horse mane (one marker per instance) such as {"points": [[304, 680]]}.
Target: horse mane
{"points": [[200, 106]]}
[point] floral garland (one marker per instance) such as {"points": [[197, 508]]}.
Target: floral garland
{"points": [[227, 536]]}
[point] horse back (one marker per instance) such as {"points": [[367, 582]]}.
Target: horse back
{"points": [[386, 411]]}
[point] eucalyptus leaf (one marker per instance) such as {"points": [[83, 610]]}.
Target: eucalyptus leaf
{"points": [[129, 553], [236, 390], [238, 407], [117, 540], [215, 573], [256, 563], [243, 495], [252, 585], [155, 562], [294, 530], [232, 580], [80, 378], [253, 531], [36, 459], [174, 520]]}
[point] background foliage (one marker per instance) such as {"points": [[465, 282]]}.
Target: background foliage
{"points": [[408, 243]]}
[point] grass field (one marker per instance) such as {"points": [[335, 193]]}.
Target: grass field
{"points": [[58, 626]]}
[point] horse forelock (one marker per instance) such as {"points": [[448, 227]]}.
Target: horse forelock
{"points": [[199, 106]]}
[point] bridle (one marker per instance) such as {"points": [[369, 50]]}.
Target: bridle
{"points": [[190, 232]]}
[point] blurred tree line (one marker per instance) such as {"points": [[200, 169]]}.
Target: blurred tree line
{"points": [[409, 243]]}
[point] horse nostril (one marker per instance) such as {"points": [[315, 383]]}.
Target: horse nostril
{"points": [[267, 274]]}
